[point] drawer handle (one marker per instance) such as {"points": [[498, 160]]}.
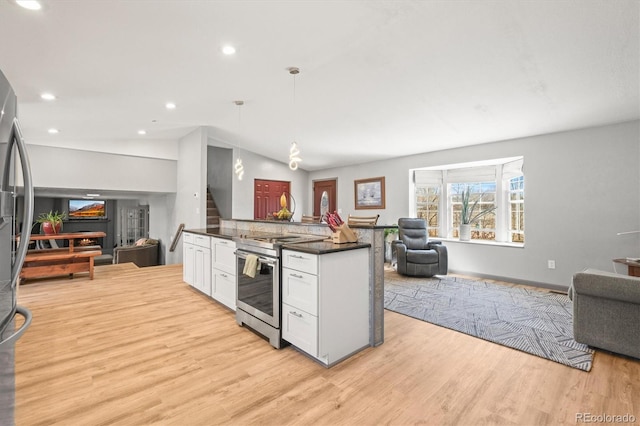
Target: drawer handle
{"points": [[297, 276], [224, 275], [295, 314], [223, 242], [295, 256]]}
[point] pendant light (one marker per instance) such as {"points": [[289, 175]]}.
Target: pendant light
{"points": [[238, 167], [294, 152]]}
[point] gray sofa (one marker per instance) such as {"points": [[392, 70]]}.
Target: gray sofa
{"points": [[606, 311]]}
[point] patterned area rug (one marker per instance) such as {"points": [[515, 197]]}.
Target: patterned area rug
{"points": [[533, 321]]}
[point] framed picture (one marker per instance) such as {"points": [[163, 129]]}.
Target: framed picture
{"points": [[369, 193]]}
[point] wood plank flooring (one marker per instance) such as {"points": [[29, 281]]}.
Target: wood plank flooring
{"points": [[138, 346]]}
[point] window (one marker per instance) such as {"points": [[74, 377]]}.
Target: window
{"points": [[497, 184], [427, 207], [483, 196], [516, 209]]}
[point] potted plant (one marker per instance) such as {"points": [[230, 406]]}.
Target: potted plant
{"points": [[390, 234], [51, 222], [468, 215]]}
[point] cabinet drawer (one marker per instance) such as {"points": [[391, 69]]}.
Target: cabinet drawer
{"points": [[224, 242], [300, 329], [202, 241], [188, 238], [224, 257], [299, 261], [300, 290], [224, 288]]}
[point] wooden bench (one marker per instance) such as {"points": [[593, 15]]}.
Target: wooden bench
{"points": [[41, 263]]}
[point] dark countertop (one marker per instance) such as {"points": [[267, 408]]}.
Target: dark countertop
{"points": [[324, 247], [318, 247], [284, 222], [225, 233]]}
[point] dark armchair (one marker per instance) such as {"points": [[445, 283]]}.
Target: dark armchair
{"points": [[415, 254], [143, 253]]}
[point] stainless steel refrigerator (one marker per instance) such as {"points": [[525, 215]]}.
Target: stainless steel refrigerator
{"points": [[16, 216]]}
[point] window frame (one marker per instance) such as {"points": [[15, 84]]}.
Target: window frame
{"points": [[501, 171]]}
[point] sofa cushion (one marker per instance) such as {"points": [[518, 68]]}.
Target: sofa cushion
{"points": [[607, 285], [146, 242]]}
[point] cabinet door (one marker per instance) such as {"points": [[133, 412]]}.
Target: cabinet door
{"points": [[300, 329], [203, 270], [224, 257], [224, 288], [188, 264], [300, 290]]}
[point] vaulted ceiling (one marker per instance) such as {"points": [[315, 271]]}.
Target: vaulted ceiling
{"points": [[378, 79]]}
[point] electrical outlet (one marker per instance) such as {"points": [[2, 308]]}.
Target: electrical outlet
{"points": [[551, 264]]}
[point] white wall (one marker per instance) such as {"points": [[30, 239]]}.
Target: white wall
{"points": [[191, 200], [140, 147], [581, 189], [161, 219], [53, 167]]}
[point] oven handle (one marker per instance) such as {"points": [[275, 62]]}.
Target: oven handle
{"points": [[264, 260]]}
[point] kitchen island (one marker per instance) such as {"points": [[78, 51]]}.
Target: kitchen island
{"points": [[371, 269]]}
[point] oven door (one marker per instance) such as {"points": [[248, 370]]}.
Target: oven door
{"points": [[259, 296]]}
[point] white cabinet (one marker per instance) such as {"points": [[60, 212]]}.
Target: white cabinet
{"points": [[325, 302], [300, 329], [223, 286], [188, 262], [300, 289], [196, 267]]}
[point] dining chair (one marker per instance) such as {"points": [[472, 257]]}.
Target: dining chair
{"points": [[310, 219], [362, 220]]}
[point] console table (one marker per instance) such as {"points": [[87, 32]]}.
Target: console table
{"points": [[61, 261], [633, 266]]}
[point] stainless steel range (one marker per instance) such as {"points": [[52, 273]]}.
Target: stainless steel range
{"points": [[258, 274]]}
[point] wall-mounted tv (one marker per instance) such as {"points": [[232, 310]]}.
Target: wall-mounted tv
{"points": [[87, 209]]}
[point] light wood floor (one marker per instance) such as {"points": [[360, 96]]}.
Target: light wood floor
{"points": [[138, 346]]}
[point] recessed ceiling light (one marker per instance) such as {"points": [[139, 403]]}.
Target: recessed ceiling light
{"points": [[93, 195], [54, 131], [48, 96], [29, 4], [170, 105], [228, 50], [142, 132]]}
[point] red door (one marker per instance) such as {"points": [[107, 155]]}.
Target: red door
{"points": [[266, 197], [318, 188]]}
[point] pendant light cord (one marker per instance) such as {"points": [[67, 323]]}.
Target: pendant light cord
{"points": [[295, 115], [238, 167], [294, 152]]}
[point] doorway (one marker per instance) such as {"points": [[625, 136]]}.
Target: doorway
{"points": [[319, 186], [266, 197]]}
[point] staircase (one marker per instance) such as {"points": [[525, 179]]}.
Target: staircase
{"points": [[213, 216]]}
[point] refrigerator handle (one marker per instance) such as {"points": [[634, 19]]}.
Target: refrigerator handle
{"points": [[27, 215], [26, 313]]}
